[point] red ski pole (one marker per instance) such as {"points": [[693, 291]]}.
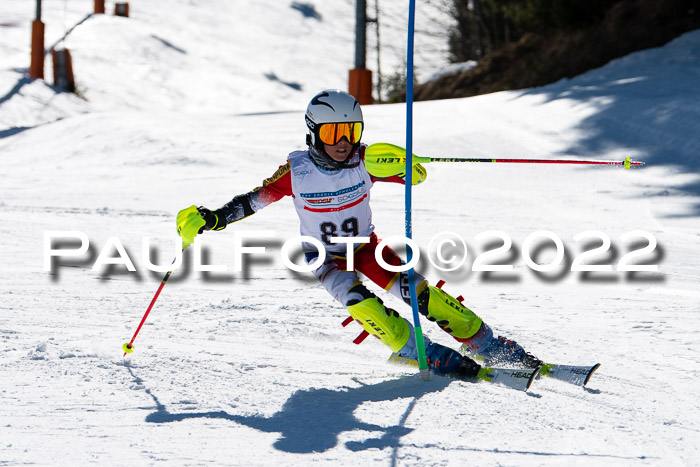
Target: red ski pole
{"points": [[129, 347], [627, 163], [385, 160], [182, 218]]}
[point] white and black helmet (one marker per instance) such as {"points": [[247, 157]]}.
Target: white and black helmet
{"points": [[333, 106]]}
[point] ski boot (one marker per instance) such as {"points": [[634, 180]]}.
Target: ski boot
{"points": [[445, 361], [498, 352], [504, 352]]}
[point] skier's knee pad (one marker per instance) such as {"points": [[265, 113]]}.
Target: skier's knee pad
{"points": [[382, 322], [453, 317]]}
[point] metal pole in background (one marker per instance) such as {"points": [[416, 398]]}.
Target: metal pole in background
{"points": [[360, 78], [36, 66], [360, 33], [379, 68]]}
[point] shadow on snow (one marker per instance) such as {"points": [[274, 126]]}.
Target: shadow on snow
{"points": [[311, 420], [648, 103]]}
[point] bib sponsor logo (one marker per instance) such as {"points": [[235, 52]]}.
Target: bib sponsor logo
{"points": [[340, 199], [343, 191], [319, 201], [350, 196]]}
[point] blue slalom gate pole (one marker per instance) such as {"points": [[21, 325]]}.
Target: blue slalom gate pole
{"points": [[420, 343]]}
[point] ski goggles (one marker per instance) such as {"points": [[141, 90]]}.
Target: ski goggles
{"points": [[332, 133]]}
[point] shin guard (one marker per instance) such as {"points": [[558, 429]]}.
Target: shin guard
{"points": [[453, 317], [382, 322]]}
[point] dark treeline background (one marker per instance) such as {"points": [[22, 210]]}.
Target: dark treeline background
{"points": [[484, 26], [527, 43]]}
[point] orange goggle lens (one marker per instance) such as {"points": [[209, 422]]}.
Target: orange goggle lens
{"points": [[332, 133]]}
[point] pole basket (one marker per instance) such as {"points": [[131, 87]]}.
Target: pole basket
{"points": [[360, 86], [63, 70]]}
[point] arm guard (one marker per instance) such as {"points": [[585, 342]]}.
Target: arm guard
{"points": [[236, 209]]}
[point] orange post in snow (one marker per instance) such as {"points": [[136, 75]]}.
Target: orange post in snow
{"points": [[99, 6], [36, 67], [360, 86]]}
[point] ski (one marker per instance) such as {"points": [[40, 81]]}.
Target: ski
{"points": [[578, 375], [515, 378], [573, 374]]}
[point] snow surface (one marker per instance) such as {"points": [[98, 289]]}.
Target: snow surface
{"points": [[192, 102]]}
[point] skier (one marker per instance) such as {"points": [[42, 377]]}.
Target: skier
{"points": [[330, 187]]}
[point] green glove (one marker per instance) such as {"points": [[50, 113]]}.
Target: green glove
{"points": [[190, 222]]}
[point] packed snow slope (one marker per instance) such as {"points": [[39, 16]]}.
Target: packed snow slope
{"points": [[192, 102]]}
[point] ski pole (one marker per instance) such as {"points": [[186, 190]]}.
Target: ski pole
{"points": [[385, 160], [129, 347], [627, 162], [407, 164], [182, 217]]}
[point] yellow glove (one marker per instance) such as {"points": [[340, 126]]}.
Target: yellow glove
{"points": [[190, 222], [385, 160]]}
